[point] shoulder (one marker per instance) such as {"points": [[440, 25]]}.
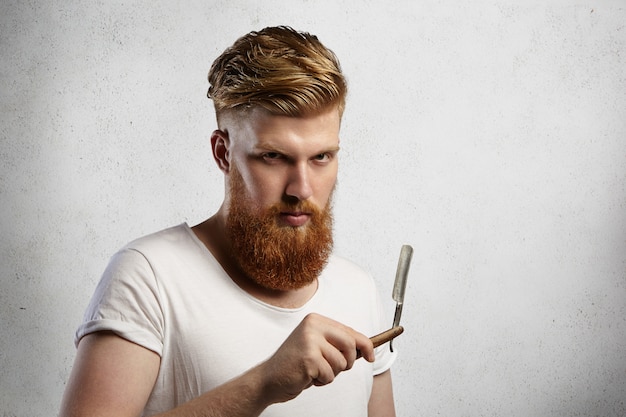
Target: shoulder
{"points": [[171, 243], [174, 245], [344, 271], [172, 236], [337, 263]]}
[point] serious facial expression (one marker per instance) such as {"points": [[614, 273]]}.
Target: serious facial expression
{"points": [[286, 159]]}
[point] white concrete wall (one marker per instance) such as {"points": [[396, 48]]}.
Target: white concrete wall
{"points": [[490, 135]]}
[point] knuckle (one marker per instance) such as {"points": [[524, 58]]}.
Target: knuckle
{"points": [[312, 318]]}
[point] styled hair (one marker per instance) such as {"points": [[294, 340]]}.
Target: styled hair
{"points": [[284, 71]]}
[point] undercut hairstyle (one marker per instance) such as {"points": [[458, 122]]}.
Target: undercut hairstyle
{"points": [[279, 69]]}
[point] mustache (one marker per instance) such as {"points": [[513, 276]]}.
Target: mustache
{"points": [[295, 207]]}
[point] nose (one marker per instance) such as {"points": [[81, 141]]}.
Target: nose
{"points": [[299, 183]]}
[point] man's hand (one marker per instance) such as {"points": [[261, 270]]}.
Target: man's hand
{"points": [[314, 354]]}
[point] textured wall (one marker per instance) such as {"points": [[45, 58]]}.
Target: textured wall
{"points": [[490, 135]]}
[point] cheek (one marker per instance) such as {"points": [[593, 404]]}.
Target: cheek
{"points": [[325, 188], [265, 190], [247, 184]]}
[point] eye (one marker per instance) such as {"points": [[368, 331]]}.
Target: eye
{"points": [[323, 157], [271, 156]]}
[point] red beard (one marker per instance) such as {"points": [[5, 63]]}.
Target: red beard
{"points": [[277, 257]]}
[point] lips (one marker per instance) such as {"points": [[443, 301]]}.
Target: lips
{"points": [[295, 219]]}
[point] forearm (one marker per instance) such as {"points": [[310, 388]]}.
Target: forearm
{"points": [[381, 402], [244, 396], [306, 358]]}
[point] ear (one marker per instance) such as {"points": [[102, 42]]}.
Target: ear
{"points": [[220, 145]]}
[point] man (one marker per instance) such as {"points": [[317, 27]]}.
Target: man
{"points": [[248, 313]]}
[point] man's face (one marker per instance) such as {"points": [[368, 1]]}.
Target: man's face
{"points": [[281, 176], [286, 159]]}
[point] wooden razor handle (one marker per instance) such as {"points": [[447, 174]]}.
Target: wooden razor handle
{"points": [[384, 337]]}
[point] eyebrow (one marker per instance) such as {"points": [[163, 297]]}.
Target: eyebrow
{"points": [[268, 147]]}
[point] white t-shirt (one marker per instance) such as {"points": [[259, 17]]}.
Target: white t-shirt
{"points": [[167, 292]]}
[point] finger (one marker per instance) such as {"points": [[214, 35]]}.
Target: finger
{"points": [[365, 350], [352, 344], [384, 337], [335, 358], [341, 351], [325, 374]]}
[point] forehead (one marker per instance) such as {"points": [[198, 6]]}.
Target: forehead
{"points": [[257, 128]]}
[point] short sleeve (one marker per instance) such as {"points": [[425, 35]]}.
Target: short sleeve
{"points": [[126, 302]]}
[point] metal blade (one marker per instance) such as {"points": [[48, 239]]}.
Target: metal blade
{"points": [[399, 287]]}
